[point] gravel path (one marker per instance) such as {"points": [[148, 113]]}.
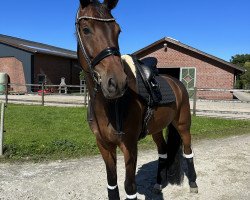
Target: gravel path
{"points": [[223, 169]]}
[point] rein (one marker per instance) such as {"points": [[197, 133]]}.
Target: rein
{"points": [[102, 55]]}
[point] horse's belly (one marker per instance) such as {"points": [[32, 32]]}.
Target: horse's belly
{"points": [[161, 118]]}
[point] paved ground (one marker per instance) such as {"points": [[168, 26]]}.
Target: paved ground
{"points": [[243, 96], [226, 109], [223, 169]]}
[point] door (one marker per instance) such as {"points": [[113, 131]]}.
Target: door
{"points": [[188, 78]]}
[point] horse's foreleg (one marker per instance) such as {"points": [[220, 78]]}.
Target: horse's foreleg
{"points": [[162, 161], [109, 156], [130, 157]]}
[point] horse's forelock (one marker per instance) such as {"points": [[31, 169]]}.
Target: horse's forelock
{"points": [[98, 9], [85, 3]]}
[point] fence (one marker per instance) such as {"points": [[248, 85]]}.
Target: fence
{"points": [[41, 94], [77, 95], [238, 104], [2, 128]]}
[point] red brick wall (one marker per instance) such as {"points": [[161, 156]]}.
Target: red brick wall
{"points": [[56, 67], [14, 69], [209, 73]]}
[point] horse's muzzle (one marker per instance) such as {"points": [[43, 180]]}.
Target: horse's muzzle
{"points": [[113, 88]]}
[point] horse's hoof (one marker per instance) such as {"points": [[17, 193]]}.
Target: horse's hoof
{"points": [[193, 187], [157, 188]]}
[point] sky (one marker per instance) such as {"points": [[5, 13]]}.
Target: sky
{"points": [[218, 27]]}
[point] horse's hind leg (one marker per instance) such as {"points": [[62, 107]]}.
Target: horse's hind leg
{"points": [[162, 161], [109, 156], [184, 131]]}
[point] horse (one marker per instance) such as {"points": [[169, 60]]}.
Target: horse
{"points": [[112, 88]]}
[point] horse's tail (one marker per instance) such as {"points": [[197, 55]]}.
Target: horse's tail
{"points": [[175, 173]]}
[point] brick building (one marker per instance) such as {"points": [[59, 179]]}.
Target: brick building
{"points": [[31, 62], [193, 67], [28, 62]]}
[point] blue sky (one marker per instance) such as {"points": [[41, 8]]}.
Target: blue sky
{"points": [[217, 27]]}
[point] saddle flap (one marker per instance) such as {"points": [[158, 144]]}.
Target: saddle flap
{"points": [[147, 72], [150, 61]]}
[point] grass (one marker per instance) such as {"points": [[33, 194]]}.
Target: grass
{"points": [[46, 133], [36, 132]]}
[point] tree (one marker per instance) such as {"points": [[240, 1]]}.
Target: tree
{"points": [[246, 76], [242, 60]]}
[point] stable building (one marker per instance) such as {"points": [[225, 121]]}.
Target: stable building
{"points": [[193, 67], [28, 62]]}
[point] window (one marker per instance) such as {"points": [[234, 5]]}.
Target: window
{"points": [[188, 78]]}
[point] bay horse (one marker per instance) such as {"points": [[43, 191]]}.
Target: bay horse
{"points": [[109, 81]]}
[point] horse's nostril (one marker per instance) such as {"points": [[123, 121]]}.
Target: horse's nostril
{"points": [[112, 86]]}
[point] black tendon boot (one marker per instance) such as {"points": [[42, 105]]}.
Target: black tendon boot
{"points": [[191, 175], [113, 194], [162, 164]]}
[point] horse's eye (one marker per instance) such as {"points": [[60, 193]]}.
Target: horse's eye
{"points": [[86, 31]]}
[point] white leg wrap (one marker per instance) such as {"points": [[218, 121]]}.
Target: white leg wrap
{"points": [[164, 156], [131, 196], [188, 156], [112, 187]]}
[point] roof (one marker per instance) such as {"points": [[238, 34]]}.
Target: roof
{"points": [[189, 48], [36, 47]]}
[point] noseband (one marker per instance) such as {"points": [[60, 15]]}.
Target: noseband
{"points": [[102, 55]]}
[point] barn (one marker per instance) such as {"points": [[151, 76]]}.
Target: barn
{"points": [[193, 67], [28, 62]]}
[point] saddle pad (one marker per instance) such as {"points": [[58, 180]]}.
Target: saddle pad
{"points": [[166, 92]]}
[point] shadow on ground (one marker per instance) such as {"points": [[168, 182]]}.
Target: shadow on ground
{"points": [[146, 179]]}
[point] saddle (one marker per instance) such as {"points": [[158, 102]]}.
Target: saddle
{"points": [[153, 89], [147, 71]]}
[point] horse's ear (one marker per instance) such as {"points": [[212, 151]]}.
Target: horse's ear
{"points": [[110, 3], [84, 3]]}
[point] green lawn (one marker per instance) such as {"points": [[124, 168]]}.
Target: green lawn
{"points": [[45, 133]]}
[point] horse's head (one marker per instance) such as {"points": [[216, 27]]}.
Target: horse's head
{"points": [[98, 49]]}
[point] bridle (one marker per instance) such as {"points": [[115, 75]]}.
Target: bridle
{"points": [[102, 55]]}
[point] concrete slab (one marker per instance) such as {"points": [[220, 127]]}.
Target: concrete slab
{"points": [[242, 96]]}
